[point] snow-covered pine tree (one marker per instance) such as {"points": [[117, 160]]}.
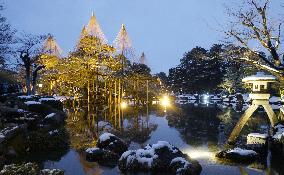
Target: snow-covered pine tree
{"points": [[93, 29], [142, 59], [123, 44], [50, 47]]}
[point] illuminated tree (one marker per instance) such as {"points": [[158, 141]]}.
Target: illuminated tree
{"points": [[50, 58], [123, 44]]}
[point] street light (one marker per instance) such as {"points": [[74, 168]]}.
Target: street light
{"points": [[123, 105], [165, 101]]}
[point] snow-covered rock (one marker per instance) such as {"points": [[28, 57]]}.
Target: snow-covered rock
{"points": [[10, 132], [238, 155], [21, 111], [63, 98], [48, 99], [180, 165], [159, 157], [53, 132], [108, 141], [51, 172], [50, 115], [103, 157], [242, 152], [103, 125], [54, 119], [279, 133]]}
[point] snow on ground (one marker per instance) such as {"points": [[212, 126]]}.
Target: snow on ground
{"points": [[32, 102], [26, 96], [242, 152]]}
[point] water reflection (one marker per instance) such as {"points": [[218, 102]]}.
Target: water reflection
{"points": [[200, 131]]}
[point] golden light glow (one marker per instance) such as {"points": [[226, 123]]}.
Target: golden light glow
{"points": [[123, 105], [40, 85], [165, 101]]}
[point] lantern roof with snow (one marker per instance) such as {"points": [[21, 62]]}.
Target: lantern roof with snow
{"points": [[260, 81], [260, 76]]}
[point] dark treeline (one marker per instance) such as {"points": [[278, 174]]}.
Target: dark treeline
{"points": [[201, 70]]}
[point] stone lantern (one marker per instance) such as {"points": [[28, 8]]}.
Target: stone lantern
{"points": [[260, 97]]}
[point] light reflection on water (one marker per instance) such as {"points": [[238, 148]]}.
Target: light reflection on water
{"points": [[197, 133]]}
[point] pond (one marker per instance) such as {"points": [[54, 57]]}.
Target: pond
{"points": [[198, 130]]}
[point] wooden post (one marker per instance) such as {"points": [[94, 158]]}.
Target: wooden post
{"points": [[147, 92], [115, 104], [88, 101], [119, 103]]}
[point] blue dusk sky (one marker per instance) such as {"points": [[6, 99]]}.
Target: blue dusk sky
{"points": [[163, 29]]}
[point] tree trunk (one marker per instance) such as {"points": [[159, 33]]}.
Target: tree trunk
{"points": [[28, 79], [34, 80]]}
